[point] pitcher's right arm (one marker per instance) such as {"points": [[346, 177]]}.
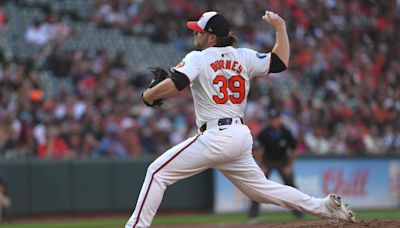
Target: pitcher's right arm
{"points": [[281, 50]]}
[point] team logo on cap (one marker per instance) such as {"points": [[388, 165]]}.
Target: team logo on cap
{"points": [[261, 55]]}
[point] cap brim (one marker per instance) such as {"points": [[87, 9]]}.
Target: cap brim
{"points": [[194, 26]]}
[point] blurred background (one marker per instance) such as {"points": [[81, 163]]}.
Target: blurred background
{"points": [[75, 136]]}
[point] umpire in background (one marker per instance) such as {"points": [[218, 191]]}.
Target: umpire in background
{"points": [[275, 149]]}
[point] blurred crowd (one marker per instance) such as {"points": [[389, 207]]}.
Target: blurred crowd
{"points": [[345, 60]]}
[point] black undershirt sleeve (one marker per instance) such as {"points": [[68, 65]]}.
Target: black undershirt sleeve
{"points": [[276, 65], [181, 80]]}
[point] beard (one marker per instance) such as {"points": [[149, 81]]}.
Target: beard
{"points": [[200, 43]]}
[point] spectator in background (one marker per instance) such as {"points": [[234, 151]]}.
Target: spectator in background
{"points": [[49, 30], [36, 34], [60, 29], [89, 146], [338, 143], [317, 142], [55, 147], [111, 14], [3, 16], [15, 146], [58, 62], [354, 138], [119, 63], [396, 142], [388, 138], [130, 136], [345, 76], [111, 145], [373, 142], [8, 139]]}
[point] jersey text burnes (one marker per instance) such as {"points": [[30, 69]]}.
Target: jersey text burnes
{"points": [[226, 64]]}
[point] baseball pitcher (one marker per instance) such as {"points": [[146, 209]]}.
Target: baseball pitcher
{"points": [[219, 77]]}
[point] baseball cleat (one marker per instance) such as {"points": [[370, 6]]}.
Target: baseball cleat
{"points": [[337, 211]]}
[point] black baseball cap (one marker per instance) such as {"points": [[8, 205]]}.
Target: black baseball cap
{"points": [[272, 113], [211, 22]]}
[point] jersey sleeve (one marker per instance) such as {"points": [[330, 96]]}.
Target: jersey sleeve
{"points": [[258, 64], [190, 65]]}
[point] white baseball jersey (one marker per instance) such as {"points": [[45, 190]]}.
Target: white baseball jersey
{"points": [[219, 79]]}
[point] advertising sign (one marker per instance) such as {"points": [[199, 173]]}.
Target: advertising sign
{"points": [[363, 183]]}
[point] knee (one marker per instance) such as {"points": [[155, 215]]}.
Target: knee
{"points": [[157, 175], [151, 169]]}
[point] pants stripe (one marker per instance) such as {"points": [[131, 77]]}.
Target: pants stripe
{"points": [[152, 177]]}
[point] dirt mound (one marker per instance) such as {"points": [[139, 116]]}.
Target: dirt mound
{"points": [[369, 223], [363, 223]]}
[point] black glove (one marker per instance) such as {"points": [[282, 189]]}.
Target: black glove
{"points": [[159, 75]]}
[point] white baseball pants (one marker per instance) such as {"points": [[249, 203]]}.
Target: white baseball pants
{"points": [[227, 148]]}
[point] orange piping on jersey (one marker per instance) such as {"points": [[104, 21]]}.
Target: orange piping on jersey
{"points": [[181, 64]]}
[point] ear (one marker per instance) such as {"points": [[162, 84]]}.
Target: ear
{"points": [[212, 38]]}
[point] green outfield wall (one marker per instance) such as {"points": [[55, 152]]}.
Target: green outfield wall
{"points": [[93, 186], [86, 186]]}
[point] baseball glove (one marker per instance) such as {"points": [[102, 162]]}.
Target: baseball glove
{"points": [[159, 75]]}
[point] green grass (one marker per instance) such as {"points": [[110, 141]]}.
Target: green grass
{"points": [[70, 223], [185, 219]]}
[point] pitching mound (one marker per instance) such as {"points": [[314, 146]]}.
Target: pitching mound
{"points": [[387, 223]]}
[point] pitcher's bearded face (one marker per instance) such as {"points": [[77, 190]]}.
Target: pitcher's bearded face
{"points": [[200, 39]]}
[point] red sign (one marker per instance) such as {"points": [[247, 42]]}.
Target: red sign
{"points": [[335, 181]]}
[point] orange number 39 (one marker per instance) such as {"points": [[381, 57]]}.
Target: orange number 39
{"points": [[234, 84]]}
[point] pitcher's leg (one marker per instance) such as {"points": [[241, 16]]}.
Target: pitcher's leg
{"points": [[148, 201], [181, 161], [245, 174], [288, 179], [254, 210]]}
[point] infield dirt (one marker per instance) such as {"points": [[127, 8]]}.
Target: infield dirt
{"points": [[370, 223]]}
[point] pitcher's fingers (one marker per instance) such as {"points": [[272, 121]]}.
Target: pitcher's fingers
{"points": [[265, 14], [273, 16], [270, 16]]}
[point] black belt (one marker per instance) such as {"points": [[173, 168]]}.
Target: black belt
{"points": [[224, 121]]}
